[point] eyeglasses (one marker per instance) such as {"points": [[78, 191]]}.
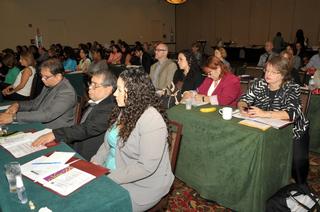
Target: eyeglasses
{"points": [[45, 78], [160, 50], [272, 72], [94, 85]]}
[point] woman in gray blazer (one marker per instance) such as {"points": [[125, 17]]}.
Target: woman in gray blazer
{"points": [[136, 143]]}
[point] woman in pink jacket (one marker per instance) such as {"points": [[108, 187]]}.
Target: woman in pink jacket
{"points": [[220, 87]]}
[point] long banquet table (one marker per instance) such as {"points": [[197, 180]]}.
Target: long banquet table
{"points": [[237, 166], [101, 194]]}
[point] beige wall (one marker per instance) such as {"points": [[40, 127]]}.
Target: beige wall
{"points": [[246, 22], [73, 21]]}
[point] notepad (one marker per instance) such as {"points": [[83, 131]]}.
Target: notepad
{"points": [[255, 124]]}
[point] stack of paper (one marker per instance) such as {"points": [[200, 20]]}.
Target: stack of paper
{"points": [[275, 123], [19, 145]]}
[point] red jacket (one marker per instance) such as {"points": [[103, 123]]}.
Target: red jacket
{"points": [[228, 91]]}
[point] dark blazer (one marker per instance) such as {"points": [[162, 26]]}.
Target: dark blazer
{"points": [[54, 107], [87, 137], [146, 62]]}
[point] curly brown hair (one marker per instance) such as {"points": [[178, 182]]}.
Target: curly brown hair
{"points": [[141, 94]]}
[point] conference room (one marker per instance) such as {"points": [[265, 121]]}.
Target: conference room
{"points": [[183, 74]]}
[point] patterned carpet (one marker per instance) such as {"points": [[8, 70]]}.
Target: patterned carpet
{"points": [[184, 198]]}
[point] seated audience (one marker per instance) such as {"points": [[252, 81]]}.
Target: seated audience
{"points": [[87, 137], [115, 55], [136, 145], [145, 59], [278, 42], [162, 72], [265, 57], [69, 63], [125, 54], [21, 88], [195, 48], [188, 77], [221, 53], [54, 107], [97, 55], [314, 61], [277, 97], [43, 55], [10, 61], [288, 55], [220, 87], [84, 60]]}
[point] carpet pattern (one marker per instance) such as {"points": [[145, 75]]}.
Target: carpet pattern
{"points": [[184, 198]]}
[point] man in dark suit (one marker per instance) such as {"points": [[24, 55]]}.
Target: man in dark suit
{"points": [[87, 137], [144, 58], [55, 105]]}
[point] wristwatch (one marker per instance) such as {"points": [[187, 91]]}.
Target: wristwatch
{"points": [[14, 117]]}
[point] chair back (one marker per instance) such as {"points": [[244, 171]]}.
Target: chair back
{"points": [[305, 95], [78, 110], [176, 132], [244, 84], [254, 71], [36, 86]]}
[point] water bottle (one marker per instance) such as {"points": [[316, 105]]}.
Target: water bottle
{"points": [[311, 83], [21, 191]]}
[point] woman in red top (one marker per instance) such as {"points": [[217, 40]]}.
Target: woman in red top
{"points": [[220, 87]]}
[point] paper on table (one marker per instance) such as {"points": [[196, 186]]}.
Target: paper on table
{"points": [[275, 123], [255, 124], [195, 103], [67, 180], [20, 145], [4, 107], [37, 173], [61, 157]]}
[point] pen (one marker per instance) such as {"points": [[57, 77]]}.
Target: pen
{"points": [[35, 172], [43, 163]]}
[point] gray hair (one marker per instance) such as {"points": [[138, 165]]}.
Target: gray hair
{"points": [[97, 66], [108, 77]]}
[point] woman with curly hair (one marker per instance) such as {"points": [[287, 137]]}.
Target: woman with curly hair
{"points": [[136, 143]]}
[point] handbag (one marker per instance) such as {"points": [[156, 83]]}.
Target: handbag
{"points": [[171, 96], [293, 198]]}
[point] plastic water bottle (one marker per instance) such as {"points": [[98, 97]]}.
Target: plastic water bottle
{"points": [[311, 83], [21, 191]]}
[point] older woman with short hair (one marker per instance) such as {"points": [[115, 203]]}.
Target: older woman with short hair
{"points": [[277, 97]]}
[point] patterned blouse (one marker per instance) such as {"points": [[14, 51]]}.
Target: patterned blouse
{"points": [[287, 98]]}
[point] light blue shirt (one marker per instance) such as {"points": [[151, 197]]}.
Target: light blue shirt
{"points": [[111, 137], [70, 65]]}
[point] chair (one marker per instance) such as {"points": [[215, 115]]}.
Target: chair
{"points": [[176, 132], [36, 86], [254, 71], [244, 84], [305, 95], [78, 110]]}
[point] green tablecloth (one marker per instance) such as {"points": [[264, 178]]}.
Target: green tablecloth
{"points": [[314, 117], [237, 166], [101, 194]]}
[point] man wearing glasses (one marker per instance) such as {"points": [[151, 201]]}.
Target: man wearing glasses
{"points": [[162, 72], [55, 105], [87, 137]]}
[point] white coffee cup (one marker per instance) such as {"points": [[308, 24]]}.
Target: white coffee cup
{"points": [[226, 113]]}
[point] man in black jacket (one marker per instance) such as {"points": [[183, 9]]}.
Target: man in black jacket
{"points": [[87, 137]]}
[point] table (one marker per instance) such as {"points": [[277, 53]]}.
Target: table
{"points": [[237, 166], [101, 194], [314, 117]]}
